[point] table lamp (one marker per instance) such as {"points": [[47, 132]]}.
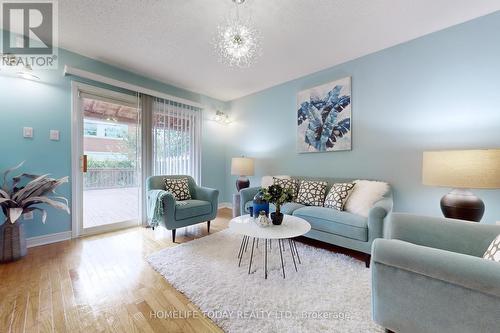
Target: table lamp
{"points": [[462, 170], [242, 167]]}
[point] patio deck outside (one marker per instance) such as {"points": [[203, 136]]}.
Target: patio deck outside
{"points": [[110, 196]]}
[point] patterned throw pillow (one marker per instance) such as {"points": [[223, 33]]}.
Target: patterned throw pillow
{"points": [[493, 251], [337, 197], [179, 187], [311, 193], [291, 184]]}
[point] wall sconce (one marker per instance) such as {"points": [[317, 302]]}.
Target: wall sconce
{"points": [[222, 118], [11, 61], [8, 60], [27, 73]]}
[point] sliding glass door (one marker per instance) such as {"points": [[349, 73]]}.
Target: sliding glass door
{"points": [[110, 139], [118, 140]]}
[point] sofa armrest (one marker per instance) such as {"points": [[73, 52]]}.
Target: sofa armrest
{"points": [[168, 206], [168, 198], [246, 195], [441, 233], [377, 216], [169, 202], [207, 194], [460, 269]]}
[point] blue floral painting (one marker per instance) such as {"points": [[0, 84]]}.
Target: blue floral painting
{"points": [[324, 117]]}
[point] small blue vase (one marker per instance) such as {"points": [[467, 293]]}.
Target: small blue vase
{"points": [[260, 204]]}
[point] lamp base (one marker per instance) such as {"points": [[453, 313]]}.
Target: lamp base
{"points": [[462, 204], [242, 183]]}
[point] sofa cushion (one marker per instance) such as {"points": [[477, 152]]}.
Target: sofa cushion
{"points": [[267, 181], [337, 197], [287, 208], [364, 195], [290, 207], [335, 222], [179, 187], [493, 251], [192, 208], [312, 192], [288, 184]]}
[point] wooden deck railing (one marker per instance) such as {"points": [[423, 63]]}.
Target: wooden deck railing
{"points": [[96, 179]]}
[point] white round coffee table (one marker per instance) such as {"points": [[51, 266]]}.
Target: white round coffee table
{"points": [[291, 227]]}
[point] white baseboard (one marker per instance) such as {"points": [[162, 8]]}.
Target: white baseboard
{"points": [[66, 235], [48, 239]]}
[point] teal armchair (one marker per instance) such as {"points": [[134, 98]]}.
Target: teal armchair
{"points": [[201, 208], [430, 276]]}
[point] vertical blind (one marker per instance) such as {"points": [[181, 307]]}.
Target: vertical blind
{"points": [[176, 139]]}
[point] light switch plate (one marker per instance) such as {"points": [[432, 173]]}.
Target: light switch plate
{"points": [[54, 135], [28, 132], [28, 216]]}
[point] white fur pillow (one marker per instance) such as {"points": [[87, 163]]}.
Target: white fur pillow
{"points": [[364, 195], [267, 181]]}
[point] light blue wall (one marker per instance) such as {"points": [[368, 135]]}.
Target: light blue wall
{"points": [[46, 104], [441, 91]]}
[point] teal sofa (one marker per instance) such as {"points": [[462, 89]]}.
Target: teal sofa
{"points": [[329, 225], [430, 276], [201, 208]]}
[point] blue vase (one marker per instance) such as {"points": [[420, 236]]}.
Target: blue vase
{"points": [[260, 204]]}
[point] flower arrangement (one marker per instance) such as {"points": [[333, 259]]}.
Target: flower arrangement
{"points": [[278, 196]]}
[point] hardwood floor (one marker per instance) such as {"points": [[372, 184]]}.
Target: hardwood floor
{"points": [[100, 284], [104, 284]]}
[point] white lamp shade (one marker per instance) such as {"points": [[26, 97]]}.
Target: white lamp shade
{"points": [[242, 166], [462, 168]]}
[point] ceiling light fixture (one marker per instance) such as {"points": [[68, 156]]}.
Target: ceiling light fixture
{"points": [[237, 42]]}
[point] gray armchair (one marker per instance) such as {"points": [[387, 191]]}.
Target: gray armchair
{"points": [[431, 277], [201, 208]]}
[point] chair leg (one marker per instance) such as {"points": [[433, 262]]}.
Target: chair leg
{"points": [[367, 260], [388, 331], [173, 235], [208, 226]]}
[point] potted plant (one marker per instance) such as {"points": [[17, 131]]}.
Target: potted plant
{"points": [[22, 195], [278, 196]]}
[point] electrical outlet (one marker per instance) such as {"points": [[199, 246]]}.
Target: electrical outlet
{"points": [[28, 216], [28, 132], [54, 135]]}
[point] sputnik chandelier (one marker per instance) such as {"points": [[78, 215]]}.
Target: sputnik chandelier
{"points": [[237, 42]]}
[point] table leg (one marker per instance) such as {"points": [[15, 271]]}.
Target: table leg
{"points": [[245, 242], [265, 260], [281, 255], [251, 256], [241, 246], [297, 252], [293, 254]]}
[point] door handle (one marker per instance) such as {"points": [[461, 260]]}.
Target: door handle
{"points": [[84, 163]]}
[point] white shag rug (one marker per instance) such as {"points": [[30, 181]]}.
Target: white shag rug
{"points": [[329, 293]]}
